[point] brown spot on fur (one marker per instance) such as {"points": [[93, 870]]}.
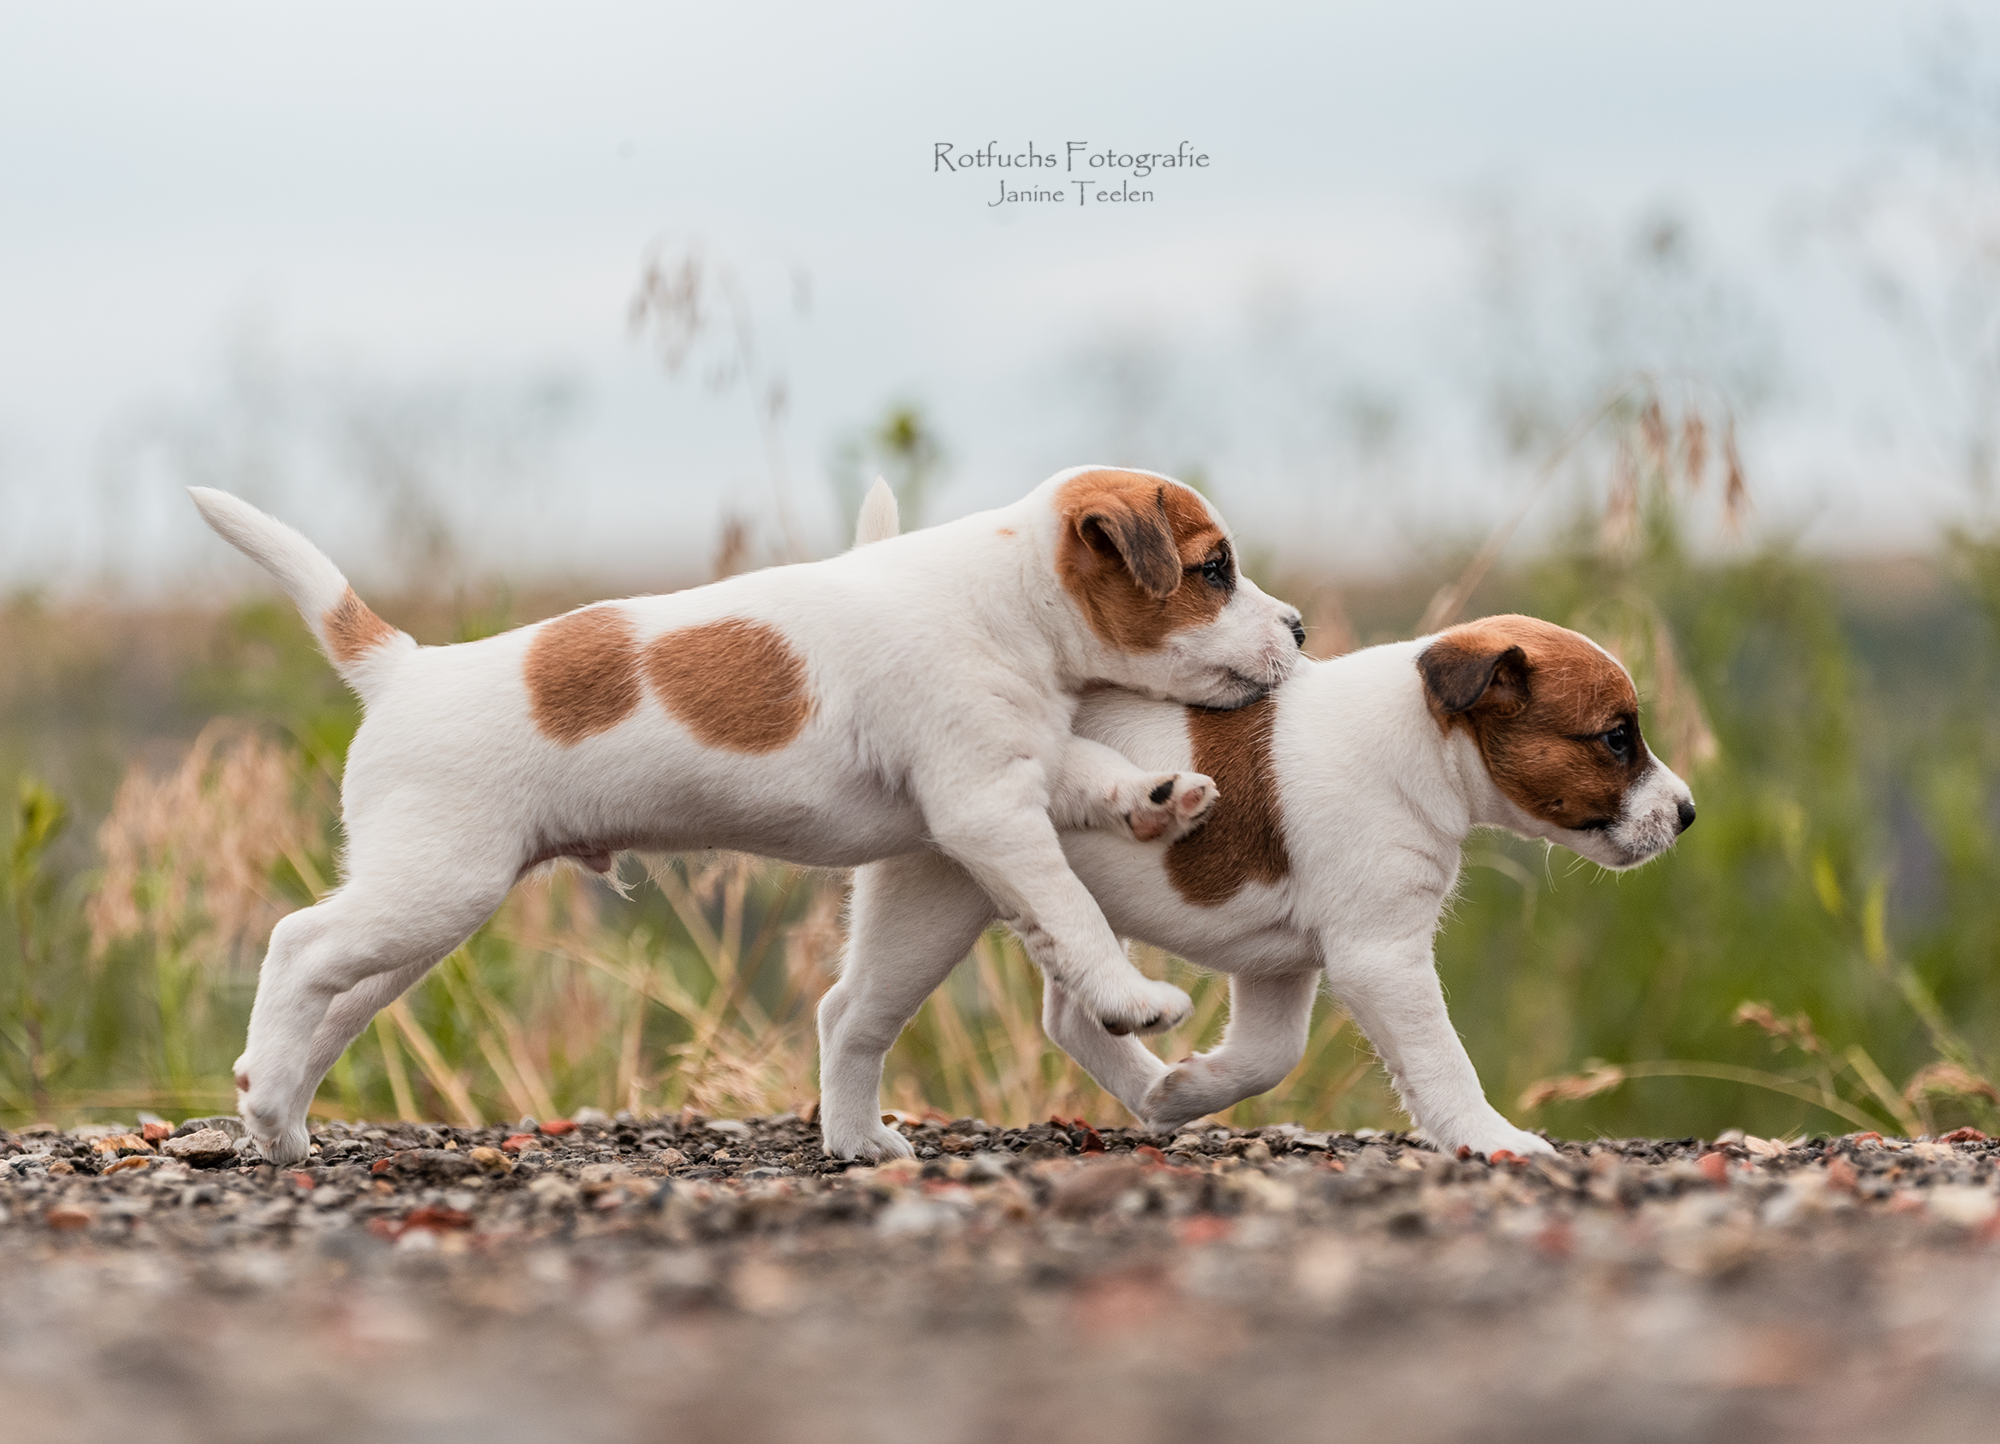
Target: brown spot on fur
{"points": [[1130, 553], [352, 629], [1005, 531], [734, 684], [1538, 699], [1243, 840], [582, 673]]}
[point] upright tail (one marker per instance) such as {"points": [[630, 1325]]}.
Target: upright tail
{"points": [[355, 640]]}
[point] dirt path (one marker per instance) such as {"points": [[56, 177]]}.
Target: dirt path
{"points": [[690, 1280]]}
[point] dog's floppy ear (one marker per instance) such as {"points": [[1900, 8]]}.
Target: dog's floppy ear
{"points": [[1133, 527], [1461, 673]]}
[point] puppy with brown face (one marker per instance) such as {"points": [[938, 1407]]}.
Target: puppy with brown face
{"points": [[1345, 798], [913, 693]]}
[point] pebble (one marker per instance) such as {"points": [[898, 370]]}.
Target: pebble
{"points": [[204, 1148]]}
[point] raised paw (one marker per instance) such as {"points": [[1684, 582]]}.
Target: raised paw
{"points": [[1148, 1007], [1171, 806]]}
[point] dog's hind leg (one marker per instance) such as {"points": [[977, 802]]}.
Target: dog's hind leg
{"points": [[394, 918], [1269, 1018], [911, 922]]}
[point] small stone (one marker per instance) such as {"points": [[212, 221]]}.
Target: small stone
{"points": [[156, 1130], [68, 1217], [227, 1123], [556, 1127], [1096, 1188], [429, 1165], [1957, 1203], [436, 1219], [205, 1148], [125, 1164], [761, 1286], [125, 1145], [491, 1160], [590, 1118], [521, 1142]]}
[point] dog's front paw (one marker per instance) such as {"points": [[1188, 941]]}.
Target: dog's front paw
{"points": [[1172, 806], [869, 1142], [1144, 1007], [277, 1128], [1183, 1094], [282, 1146], [1499, 1135]]}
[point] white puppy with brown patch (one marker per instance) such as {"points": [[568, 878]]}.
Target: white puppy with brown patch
{"points": [[917, 692], [1345, 798]]}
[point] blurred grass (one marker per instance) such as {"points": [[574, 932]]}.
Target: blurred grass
{"points": [[1834, 722]]}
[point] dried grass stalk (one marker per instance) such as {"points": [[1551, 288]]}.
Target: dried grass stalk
{"points": [[189, 855]]}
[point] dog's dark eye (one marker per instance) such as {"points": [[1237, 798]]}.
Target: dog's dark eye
{"points": [[1619, 740], [1218, 572]]}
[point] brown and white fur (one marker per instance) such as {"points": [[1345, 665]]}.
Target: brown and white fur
{"points": [[917, 692], [1345, 798]]}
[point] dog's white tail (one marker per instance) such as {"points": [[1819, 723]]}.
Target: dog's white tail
{"points": [[355, 640], [879, 519]]}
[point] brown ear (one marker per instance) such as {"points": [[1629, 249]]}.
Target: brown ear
{"points": [[1461, 674], [1133, 527]]}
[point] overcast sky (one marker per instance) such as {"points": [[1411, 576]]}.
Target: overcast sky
{"points": [[269, 245]]}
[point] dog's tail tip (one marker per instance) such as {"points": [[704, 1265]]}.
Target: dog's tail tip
{"points": [[347, 630]]}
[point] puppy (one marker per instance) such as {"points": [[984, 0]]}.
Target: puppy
{"points": [[915, 692], [1346, 796]]}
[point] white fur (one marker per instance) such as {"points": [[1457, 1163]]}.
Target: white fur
{"points": [[1376, 801], [944, 666], [879, 517]]}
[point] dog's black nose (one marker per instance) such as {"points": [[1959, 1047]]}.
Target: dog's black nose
{"points": [[1298, 626], [1687, 814]]}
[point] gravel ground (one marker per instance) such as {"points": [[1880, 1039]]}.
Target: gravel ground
{"points": [[690, 1278]]}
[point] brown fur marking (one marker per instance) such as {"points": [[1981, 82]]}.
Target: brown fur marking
{"points": [[1243, 840], [1126, 547], [734, 684], [1537, 698], [352, 630], [583, 673]]}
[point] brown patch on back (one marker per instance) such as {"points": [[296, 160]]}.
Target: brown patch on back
{"points": [[352, 629], [1127, 545], [1243, 840], [1537, 698], [582, 673], [734, 684]]}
